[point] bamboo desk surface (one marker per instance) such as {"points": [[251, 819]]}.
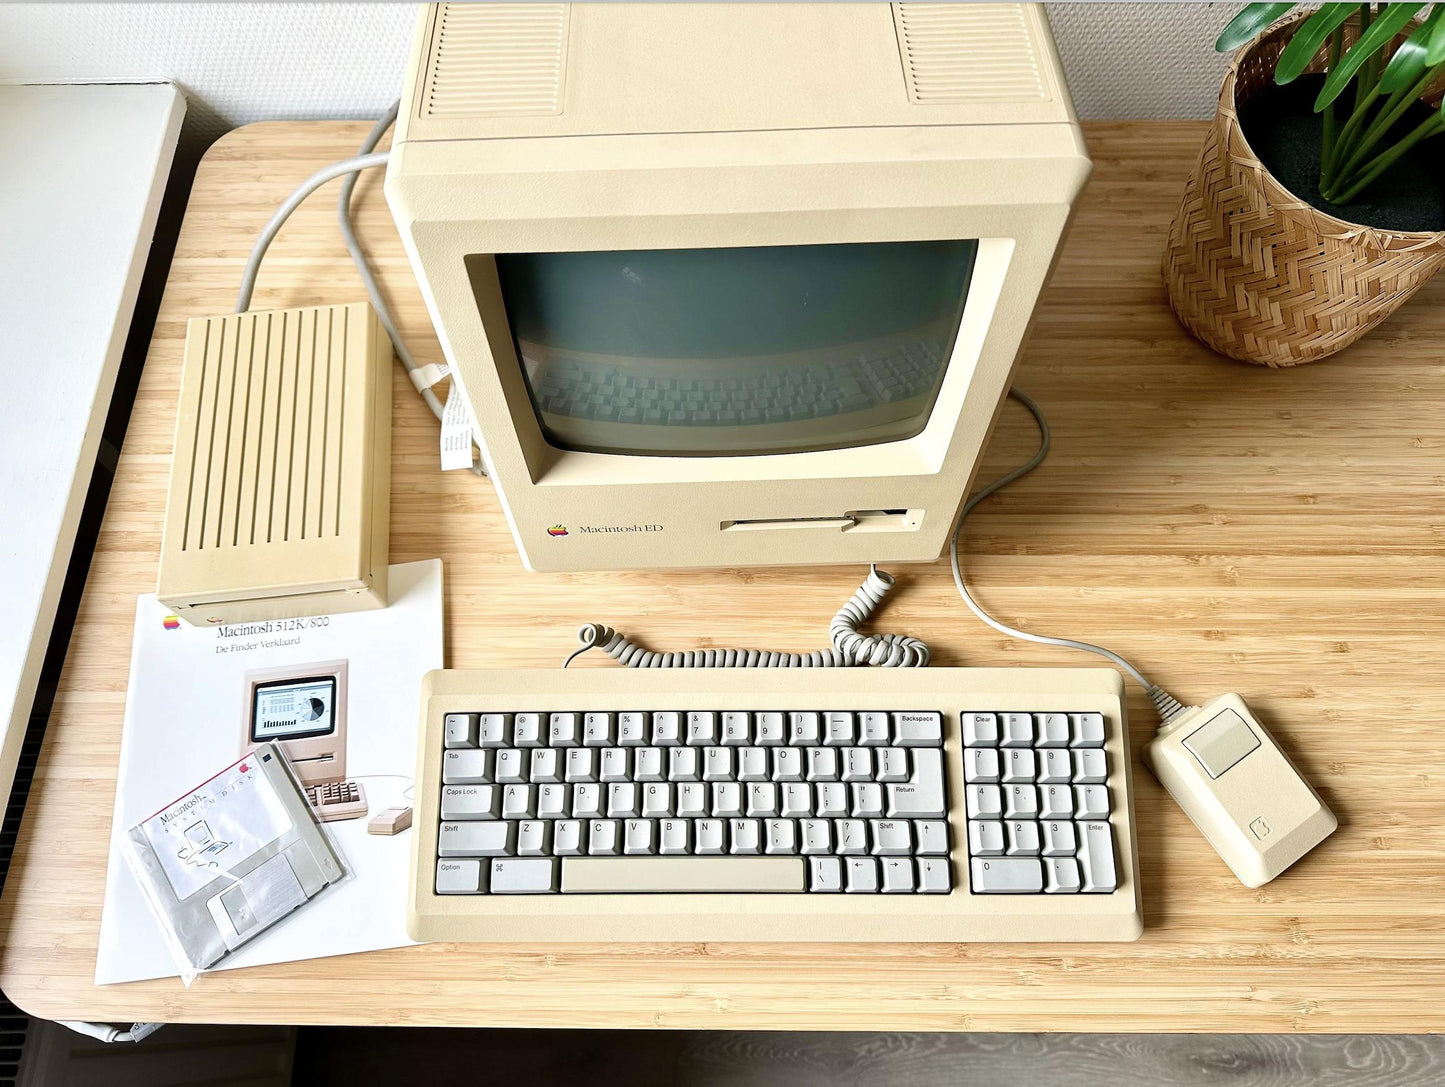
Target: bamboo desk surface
{"points": [[1225, 526]]}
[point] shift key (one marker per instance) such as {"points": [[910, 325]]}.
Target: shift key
{"points": [[921, 796]]}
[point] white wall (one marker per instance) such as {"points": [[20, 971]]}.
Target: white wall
{"points": [[242, 62]]}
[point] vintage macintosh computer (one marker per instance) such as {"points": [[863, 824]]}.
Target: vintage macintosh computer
{"points": [[728, 284]]}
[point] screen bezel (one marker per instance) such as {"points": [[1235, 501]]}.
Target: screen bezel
{"points": [[294, 681]]}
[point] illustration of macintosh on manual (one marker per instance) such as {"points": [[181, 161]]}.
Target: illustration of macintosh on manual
{"points": [[302, 708]]}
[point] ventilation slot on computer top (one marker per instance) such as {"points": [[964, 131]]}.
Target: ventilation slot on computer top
{"points": [[496, 59], [968, 52]]}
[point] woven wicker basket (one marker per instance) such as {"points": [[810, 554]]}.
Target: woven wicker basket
{"points": [[1256, 273]]}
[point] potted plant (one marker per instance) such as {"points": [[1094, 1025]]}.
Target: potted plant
{"points": [[1317, 206]]}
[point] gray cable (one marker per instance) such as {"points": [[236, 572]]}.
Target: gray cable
{"points": [[850, 648], [1165, 703], [292, 202]]}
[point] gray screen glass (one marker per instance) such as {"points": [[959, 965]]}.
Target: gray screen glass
{"points": [[716, 352]]}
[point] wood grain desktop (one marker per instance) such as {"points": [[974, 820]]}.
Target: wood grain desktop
{"points": [[1278, 533]]}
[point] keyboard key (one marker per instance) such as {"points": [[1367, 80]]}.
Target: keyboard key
{"points": [[647, 764], [492, 839], [768, 729], [892, 765], [1059, 839], [934, 877], [551, 801], [1023, 839], [604, 839], [857, 764], [586, 801], [518, 801], [980, 729], [581, 764], [1019, 766], [873, 729], [691, 800], [616, 764], [780, 836], [1096, 857], [471, 802], [787, 764], [523, 875], [1052, 729], [1061, 876], [1087, 729], [922, 795], [598, 729], [467, 767], [984, 801], [545, 765], [1021, 802], [850, 835], [534, 838], [621, 875], [727, 798], [1055, 767], [666, 728], [745, 836], [622, 801], [569, 837], [637, 836], [1091, 801], [837, 729], [795, 799], [867, 800], [1018, 730], [675, 836], [493, 728], [1006, 875], [736, 728], [632, 729], [832, 799], [1091, 766], [753, 764], [816, 836], [762, 798], [932, 836], [897, 875], [981, 764], [459, 877], [701, 728], [459, 730], [891, 837], [656, 800], [822, 763], [1058, 802], [917, 729], [985, 838], [825, 875], [861, 874], [564, 729], [709, 836], [804, 729], [717, 764], [527, 730]]}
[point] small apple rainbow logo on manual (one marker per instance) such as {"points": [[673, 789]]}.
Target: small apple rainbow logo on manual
{"points": [[557, 530], [171, 622]]}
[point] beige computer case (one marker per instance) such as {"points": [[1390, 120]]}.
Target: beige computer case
{"points": [[280, 488], [554, 127]]}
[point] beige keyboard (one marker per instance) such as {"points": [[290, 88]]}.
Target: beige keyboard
{"points": [[337, 800], [908, 804]]}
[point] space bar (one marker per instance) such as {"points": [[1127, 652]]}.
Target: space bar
{"points": [[680, 875]]}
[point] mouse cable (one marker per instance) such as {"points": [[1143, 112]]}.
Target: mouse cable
{"points": [[1165, 703], [422, 377]]}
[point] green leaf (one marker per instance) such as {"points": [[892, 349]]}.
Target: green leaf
{"points": [[1412, 58], [1435, 51], [1308, 39], [1252, 19], [1391, 21]]}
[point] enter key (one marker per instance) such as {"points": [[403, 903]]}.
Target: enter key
{"points": [[922, 795]]}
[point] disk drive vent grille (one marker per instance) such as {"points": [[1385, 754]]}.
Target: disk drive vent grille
{"points": [[967, 52], [496, 59], [268, 451]]}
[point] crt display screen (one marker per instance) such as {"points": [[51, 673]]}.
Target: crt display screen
{"points": [[716, 352], [293, 708]]}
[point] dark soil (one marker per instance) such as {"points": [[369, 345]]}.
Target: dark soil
{"points": [[1283, 129]]}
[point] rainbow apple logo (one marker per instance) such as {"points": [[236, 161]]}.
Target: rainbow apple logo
{"points": [[170, 622], [557, 530]]}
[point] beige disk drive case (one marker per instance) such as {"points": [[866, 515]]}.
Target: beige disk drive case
{"points": [[280, 485]]}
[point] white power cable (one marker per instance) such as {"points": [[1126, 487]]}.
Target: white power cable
{"points": [[1164, 702], [850, 648]]}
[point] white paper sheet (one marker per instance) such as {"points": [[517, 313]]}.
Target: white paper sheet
{"points": [[184, 718]]}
